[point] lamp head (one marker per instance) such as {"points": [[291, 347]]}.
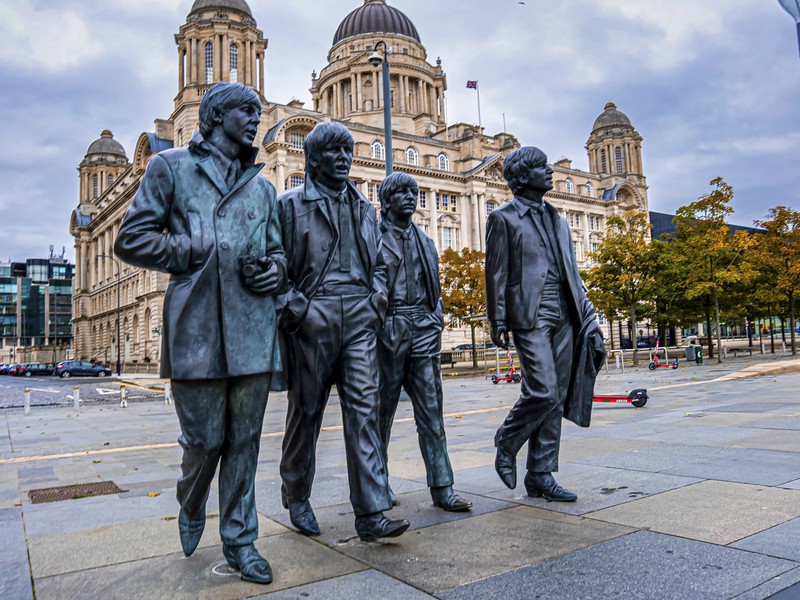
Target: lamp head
{"points": [[375, 59]]}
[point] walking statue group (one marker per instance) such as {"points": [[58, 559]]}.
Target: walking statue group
{"points": [[310, 290]]}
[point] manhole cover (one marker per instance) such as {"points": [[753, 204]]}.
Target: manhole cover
{"points": [[72, 492]]}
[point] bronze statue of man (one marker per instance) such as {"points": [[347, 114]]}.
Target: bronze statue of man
{"points": [[534, 290], [335, 302], [410, 340], [207, 217]]}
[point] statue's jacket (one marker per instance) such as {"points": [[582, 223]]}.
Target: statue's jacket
{"points": [[310, 239], [184, 220], [516, 270]]}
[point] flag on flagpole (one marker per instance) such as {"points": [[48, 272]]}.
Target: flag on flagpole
{"points": [[472, 85]]}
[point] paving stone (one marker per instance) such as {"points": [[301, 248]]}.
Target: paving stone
{"points": [[15, 581], [713, 511], [452, 554], [781, 440], [782, 541], [366, 584], [775, 589], [755, 407], [179, 578], [765, 467], [599, 488], [90, 548], [790, 422], [591, 447], [643, 565]]}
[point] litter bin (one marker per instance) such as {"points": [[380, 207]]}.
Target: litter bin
{"points": [[694, 352]]}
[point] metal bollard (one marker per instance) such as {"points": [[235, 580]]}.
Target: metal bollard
{"points": [[763, 349], [76, 397], [27, 401], [167, 393], [618, 361], [123, 402]]}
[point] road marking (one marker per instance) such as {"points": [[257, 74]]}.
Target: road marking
{"points": [[45, 391], [24, 459], [105, 392]]}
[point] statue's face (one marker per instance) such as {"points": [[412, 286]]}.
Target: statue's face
{"points": [[240, 124], [333, 165], [539, 179], [402, 204]]}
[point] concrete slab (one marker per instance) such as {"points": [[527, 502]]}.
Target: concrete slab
{"points": [[753, 407], [782, 541], [453, 554], [774, 439], [790, 422], [366, 584], [203, 576], [712, 511], [15, 581], [599, 488], [590, 447], [763, 467], [644, 565], [115, 544]]}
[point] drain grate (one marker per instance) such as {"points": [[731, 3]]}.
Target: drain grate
{"points": [[72, 492]]}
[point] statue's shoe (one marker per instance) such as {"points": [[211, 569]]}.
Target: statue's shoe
{"points": [[544, 485], [191, 530], [371, 527], [251, 565]]}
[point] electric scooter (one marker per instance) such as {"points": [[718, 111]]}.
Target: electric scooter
{"points": [[512, 376], [657, 364], [636, 397]]}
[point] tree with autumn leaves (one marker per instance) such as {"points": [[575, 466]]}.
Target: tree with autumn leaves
{"points": [[464, 288]]}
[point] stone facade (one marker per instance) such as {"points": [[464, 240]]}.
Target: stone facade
{"points": [[458, 166]]}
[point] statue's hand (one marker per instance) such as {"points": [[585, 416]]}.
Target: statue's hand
{"points": [[266, 282], [498, 330]]}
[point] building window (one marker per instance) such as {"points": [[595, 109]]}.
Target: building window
{"points": [[595, 246], [378, 151], [423, 199], [443, 162], [603, 162], [447, 238], [490, 206], [570, 186], [110, 180], [372, 192], [209, 48], [234, 56], [412, 156], [295, 181], [574, 220], [589, 190], [454, 203], [296, 140], [618, 158], [595, 223], [601, 318], [96, 186]]}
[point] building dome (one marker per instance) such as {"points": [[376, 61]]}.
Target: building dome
{"points": [[239, 5], [375, 17], [611, 117], [106, 144]]}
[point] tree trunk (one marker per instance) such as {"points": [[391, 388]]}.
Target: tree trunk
{"points": [[749, 332], [771, 330], [792, 324], [708, 335], [716, 312], [474, 346]]}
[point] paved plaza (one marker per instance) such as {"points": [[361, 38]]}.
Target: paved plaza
{"points": [[695, 495]]}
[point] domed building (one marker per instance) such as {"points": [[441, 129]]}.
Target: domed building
{"points": [[457, 165]]}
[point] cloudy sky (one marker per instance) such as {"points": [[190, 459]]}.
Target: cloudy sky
{"points": [[712, 86]]}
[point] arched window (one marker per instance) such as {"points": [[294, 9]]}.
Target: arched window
{"points": [[603, 162], [110, 180], [148, 327], [135, 329], [295, 181], [490, 206], [589, 189], [234, 60], [443, 162], [95, 186], [618, 158], [378, 151], [570, 186], [412, 156], [209, 49], [296, 140]]}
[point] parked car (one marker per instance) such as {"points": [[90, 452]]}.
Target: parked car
{"points": [[7, 368], [469, 346], [29, 369], [16, 369], [80, 368]]}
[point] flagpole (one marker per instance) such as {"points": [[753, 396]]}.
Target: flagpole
{"points": [[478, 90]]}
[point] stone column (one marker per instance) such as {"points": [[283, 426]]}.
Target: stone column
{"points": [[281, 183], [261, 82], [358, 95], [226, 59], [181, 63], [476, 221]]}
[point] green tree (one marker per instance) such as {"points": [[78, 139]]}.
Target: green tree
{"points": [[707, 253], [777, 252], [464, 287], [622, 281]]}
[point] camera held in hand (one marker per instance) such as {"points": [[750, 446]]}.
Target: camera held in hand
{"points": [[251, 265]]}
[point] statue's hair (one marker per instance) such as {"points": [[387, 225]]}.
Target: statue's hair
{"points": [[394, 182], [222, 98], [324, 135], [520, 162]]}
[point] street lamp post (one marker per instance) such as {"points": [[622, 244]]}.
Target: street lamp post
{"points": [[793, 8], [382, 58], [119, 276]]}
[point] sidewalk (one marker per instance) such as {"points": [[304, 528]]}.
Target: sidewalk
{"points": [[695, 495]]}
